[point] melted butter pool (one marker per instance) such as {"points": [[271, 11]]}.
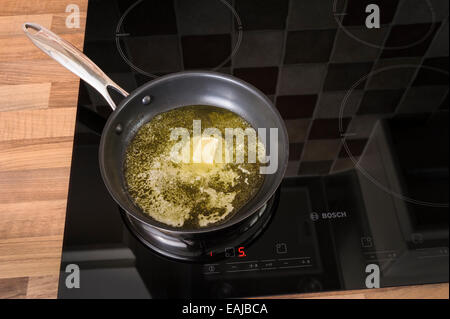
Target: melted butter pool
{"points": [[189, 195]]}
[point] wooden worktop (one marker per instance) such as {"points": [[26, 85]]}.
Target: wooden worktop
{"points": [[38, 101]]}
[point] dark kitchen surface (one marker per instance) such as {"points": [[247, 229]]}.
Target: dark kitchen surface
{"points": [[367, 117]]}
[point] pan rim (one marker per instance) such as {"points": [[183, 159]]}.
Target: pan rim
{"points": [[238, 216]]}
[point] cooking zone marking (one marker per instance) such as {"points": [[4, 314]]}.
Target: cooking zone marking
{"points": [[119, 34]]}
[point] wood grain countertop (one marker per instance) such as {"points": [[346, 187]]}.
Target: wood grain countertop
{"points": [[38, 100]]}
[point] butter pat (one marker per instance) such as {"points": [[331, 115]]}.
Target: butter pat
{"points": [[206, 148]]}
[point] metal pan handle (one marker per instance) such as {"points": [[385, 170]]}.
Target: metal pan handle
{"points": [[72, 59]]}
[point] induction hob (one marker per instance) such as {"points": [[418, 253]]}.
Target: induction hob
{"points": [[366, 190]]}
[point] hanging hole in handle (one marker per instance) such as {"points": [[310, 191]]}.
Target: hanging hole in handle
{"points": [[31, 28]]}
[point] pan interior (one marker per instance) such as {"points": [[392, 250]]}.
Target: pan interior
{"points": [[198, 178], [174, 91]]}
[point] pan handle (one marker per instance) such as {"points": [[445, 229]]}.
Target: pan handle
{"points": [[72, 59]]}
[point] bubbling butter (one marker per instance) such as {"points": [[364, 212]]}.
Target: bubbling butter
{"points": [[191, 192]]}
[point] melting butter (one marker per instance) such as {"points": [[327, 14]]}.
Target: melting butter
{"points": [[188, 194]]}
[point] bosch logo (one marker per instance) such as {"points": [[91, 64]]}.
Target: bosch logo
{"points": [[327, 215]]}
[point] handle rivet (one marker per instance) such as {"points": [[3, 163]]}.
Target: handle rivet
{"points": [[119, 128], [146, 99]]}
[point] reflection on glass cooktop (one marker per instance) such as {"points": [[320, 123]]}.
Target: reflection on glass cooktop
{"points": [[366, 190]]}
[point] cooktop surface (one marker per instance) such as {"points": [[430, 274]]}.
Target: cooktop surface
{"points": [[364, 202]]}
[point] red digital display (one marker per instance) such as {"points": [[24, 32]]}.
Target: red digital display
{"points": [[241, 252]]}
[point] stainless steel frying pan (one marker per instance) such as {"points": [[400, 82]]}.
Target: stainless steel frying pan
{"points": [[157, 96]]}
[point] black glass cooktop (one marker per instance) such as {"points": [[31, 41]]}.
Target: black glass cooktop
{"points": [[366, 189]]}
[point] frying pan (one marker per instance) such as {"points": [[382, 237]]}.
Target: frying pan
{"points": [[161, 95]]}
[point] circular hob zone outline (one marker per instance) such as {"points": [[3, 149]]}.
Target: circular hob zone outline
{"points": [[344, 135], [337, 15], [119, 35]]}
